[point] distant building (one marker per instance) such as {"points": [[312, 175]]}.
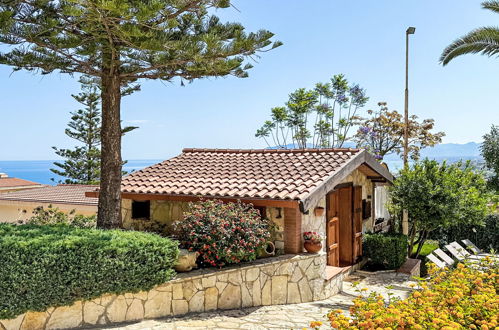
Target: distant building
{"points": [[19, 205], [8, 184]]}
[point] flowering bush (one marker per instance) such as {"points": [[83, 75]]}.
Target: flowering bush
{"points": [[462, 298], [222, 233], [312, 237]]}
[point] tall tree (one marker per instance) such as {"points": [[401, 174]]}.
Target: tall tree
{"points": [[82, 163], [318, 118], [438, 196], [383, 132], [490, 153], [484, 40], [120, 42]]}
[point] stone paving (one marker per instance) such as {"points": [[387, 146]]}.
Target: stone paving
{"points": [[296, 316]]}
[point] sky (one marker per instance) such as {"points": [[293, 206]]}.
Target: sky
{"points": [[365, 40]]}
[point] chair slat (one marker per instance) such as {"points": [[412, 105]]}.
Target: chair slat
{"points": [[436, 261], [444, 256], [469, 244]]}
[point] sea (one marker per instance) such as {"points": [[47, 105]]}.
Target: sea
{"points": [[39, 170]]}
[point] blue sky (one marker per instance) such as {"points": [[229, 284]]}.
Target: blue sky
{"points": [[362, 39]]}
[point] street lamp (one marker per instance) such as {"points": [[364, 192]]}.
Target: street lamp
{"points": [[410, 30]]}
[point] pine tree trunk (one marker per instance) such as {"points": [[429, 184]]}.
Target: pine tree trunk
{"points": [[109, 213]]}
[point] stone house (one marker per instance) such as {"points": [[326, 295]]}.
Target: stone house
{"points": [[330, 191]]}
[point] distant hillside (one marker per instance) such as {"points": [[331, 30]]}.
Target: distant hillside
{"points": [[452, 150]]}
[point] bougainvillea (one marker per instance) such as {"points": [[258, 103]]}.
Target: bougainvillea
{"points": [[222, 233], [465, 297]]}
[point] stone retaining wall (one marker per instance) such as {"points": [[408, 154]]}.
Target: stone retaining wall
{"points": [[286, 279]]}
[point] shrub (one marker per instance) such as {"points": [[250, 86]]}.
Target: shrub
{"points": [[465, 297], [53, 216], [222, 233], [385, 251], [43, 266]]}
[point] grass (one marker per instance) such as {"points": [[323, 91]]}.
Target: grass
{"points": [[427, 248]]}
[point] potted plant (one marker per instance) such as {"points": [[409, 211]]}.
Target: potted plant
{"points": [[313, 241]]}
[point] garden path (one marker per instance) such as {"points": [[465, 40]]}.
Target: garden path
{"points": [[296, 316]]}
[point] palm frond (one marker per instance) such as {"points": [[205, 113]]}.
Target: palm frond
{"points": [[483, 40], [492, 5]]}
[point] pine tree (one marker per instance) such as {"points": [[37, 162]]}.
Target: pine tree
{"points": [[82, 163], [120, 42]]}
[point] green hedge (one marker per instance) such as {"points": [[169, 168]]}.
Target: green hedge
{"points": [[486, 237], [43, 266], [385, 251]]}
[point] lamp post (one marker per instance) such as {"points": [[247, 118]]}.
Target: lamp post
{"points": [[410, 30]]}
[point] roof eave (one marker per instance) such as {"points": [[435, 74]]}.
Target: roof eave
{"points": [[363, 157]]}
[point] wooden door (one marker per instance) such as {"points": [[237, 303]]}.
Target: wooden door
{"points": [[332, 231], [357, 222], [344, 226]]}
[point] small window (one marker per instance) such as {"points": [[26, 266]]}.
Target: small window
{"points": [[141, 210]]}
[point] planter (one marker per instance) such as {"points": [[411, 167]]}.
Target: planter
{"points": [[186, 261], [319, 211], [267, 251], [312, 247]]}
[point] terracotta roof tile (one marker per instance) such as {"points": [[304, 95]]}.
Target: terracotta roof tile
{"points": [[15, 182], [61, 194], [254, 173]]}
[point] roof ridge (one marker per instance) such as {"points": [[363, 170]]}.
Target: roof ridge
{"points": [[304, 150]]}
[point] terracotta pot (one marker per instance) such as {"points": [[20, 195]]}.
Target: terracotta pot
{"points": [[319, 211], [267, 251], [312, 247]]}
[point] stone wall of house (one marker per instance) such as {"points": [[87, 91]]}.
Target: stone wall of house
{"points": [[311, 222], [286, 279], [163, 214]]}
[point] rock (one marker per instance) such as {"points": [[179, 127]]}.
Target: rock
{"points": [[180, 307], [178, 293], [293, 294], [142, 295], [158, 305], [66, 317], [312, 272], [279, 289], [12, 324], [266, 294], [235, 278], [211, 299], [221, 286], [257, 293], [34, 320], [305, 292], [196, 303], [222, 277], [230, 297], [92, 312], [135, 311], [209, 281], [252, 274], [189, 289], [297, 275], [116, 312], [246, 299]]}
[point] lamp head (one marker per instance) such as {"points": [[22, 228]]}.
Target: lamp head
{"points": [[410, 30]]}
